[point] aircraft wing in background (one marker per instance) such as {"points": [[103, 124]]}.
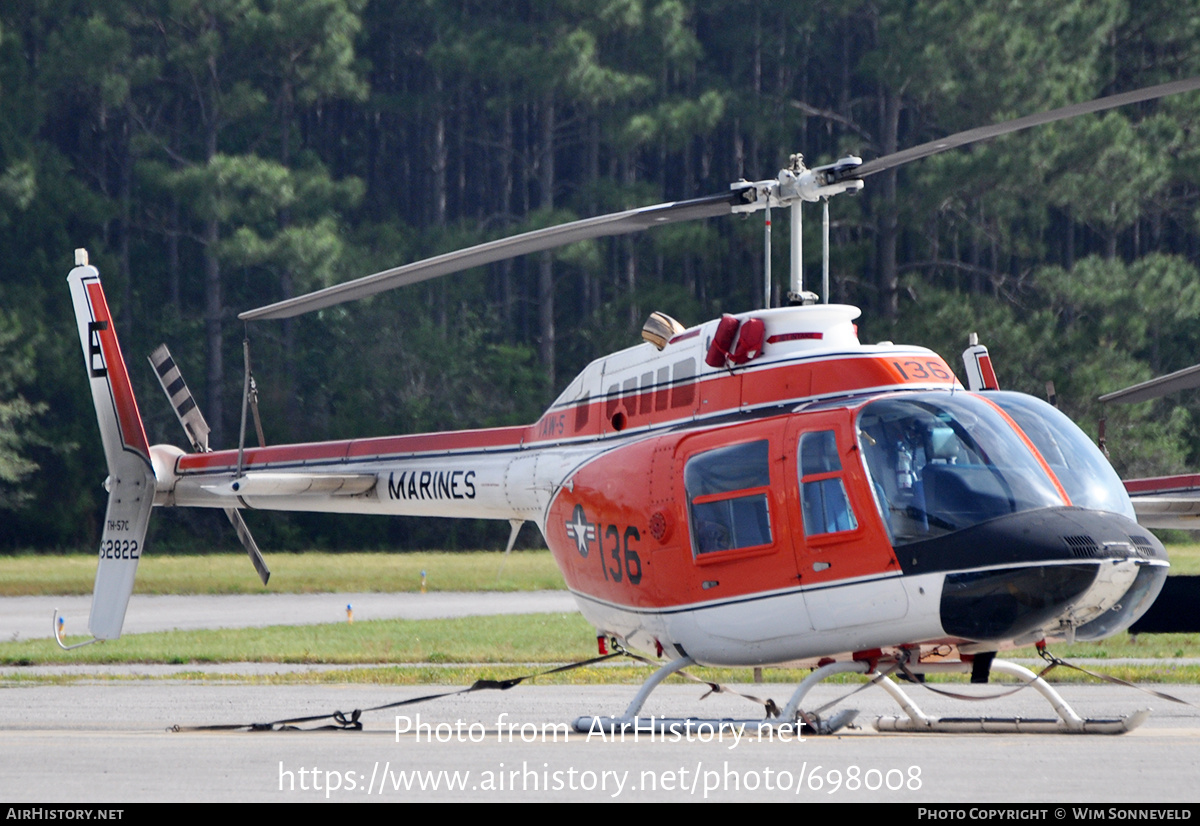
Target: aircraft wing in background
{"points": [[1171, 502]]}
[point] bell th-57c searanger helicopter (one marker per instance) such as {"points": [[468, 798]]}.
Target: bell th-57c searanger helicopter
{"points": [[760, 489]]}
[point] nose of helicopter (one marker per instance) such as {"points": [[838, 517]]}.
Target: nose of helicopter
{"points": [[1089, 573]]}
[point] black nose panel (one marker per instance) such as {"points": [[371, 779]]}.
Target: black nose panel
{"points": [[1039, 562], [1045, 535], [1006, 603]]}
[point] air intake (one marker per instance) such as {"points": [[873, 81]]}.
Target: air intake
{"points": [[1082, 547]]}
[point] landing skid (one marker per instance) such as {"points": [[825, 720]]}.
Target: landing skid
{"points": [[791, 723], [1068, 721], [792, 720], [1010, 725]]}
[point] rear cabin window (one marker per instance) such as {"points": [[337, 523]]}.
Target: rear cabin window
{"points": [[727, 498], [822, 491]]}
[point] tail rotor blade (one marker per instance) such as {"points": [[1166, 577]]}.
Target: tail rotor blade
{"points": [[243, 534], [180, 397]]}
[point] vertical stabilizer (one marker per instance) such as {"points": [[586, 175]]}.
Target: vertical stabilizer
{"points": [[130, 482], [978, 365]]}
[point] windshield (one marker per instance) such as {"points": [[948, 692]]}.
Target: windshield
{"points": [[942, 462], [1085, 474]]}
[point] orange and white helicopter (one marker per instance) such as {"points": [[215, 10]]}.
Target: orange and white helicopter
{"points": [[759, 489]]}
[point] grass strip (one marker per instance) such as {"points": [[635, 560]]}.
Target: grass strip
{"points": [[540, 638], [302, 573], [463, 675], [454, 651]]}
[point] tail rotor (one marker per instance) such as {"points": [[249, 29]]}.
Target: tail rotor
{"points": [[197, 431]]}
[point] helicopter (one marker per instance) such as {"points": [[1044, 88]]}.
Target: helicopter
{"points": [[759, 489]]}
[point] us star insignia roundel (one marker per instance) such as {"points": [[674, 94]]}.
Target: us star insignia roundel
{"points": [[582, 531]]}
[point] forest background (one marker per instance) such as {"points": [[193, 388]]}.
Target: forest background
{"points": [[217, 155]]}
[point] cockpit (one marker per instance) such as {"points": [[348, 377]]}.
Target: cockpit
{"points": [[940, 462]]}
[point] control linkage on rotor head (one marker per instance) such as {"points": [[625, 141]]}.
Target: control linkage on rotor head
{"points": [[797, 182]]}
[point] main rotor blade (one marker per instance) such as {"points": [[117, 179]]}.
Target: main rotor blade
{"points": [[618, 223], [635, 220], [984, 133], [1184, 379]]}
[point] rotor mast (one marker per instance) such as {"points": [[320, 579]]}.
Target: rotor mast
{"points": [[795, 184]]}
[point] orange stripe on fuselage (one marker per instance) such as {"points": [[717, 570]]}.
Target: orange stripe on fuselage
{"points": [[356, 449]]}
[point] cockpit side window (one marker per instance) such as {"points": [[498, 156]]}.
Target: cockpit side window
{"points": [[822, 490], [727, 492]]}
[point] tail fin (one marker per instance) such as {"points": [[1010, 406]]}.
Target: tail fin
{"points": [[131, 481]]}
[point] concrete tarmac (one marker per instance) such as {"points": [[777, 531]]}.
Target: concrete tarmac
{"points": [[108, 742]]}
